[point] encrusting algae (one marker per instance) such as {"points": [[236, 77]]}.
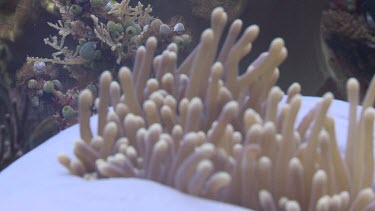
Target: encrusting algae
{"points": [[206, 131]]}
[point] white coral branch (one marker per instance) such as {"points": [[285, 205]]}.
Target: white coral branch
{"points": [[71, 61], [121, 10], [102, 33]]}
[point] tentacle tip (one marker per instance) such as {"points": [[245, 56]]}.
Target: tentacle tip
{"points": [[172, 47], [369, 113], [328, 96], [172, 55], [63, 159], [255, 28], [232, 106], [106, 75], [151, 42], [278, 43], [124, 68], [218, 17], [207, 36], [86, 96], [237, 22], [352, 84], [141, 49], [217, 12]]}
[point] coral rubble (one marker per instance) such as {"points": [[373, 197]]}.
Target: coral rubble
{"points": [[353, 27], [204, 130]]}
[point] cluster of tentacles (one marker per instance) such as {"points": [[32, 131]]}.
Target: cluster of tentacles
{"points": [[206, 131]]}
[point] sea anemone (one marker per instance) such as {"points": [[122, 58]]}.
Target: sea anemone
{"points": [[206, 131]]}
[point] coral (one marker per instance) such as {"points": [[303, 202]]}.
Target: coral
{"points": [[204, 130], [49, 6], [44, 91], [105, 34], [349, 35], [346, 24], [104, 30]]}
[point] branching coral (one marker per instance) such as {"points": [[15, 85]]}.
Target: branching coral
{"points": [[206, 131], [41, 88], [98, 26], [94, 36]]}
